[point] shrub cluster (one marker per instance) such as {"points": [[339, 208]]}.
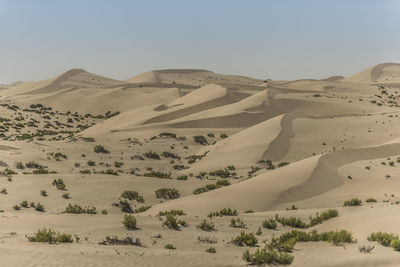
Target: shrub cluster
{"points": [[50, 236], [220, 183]]}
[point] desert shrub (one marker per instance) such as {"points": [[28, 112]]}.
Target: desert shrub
{"points": [[211, 250], [172, 212], [324, 216], [223, 212], [167, 193], [104, 212], [142, 209], [17, 207], [115, 240], [207, 239], [283, 163], [65, 195], [118, 164], [59, 184], [220, 183], [200, 139], [129, 221], [369, 200], [169, 246], [270, 224], [39, 207], [19, 165], [382, 238], [110, 172], [264, 256], [173, 223], [223, 136], [352, 202], [77, 209], [124, 205], [245, 240], [395, 244], [158, 175], [24, 204], [40, 171], [237, 223], [101, 149], [34, 165], [152, 155], [132, 195], [50, 236], [292, 222], [182, 178], [336, 237], [91, 163], [206, 225], [170, 155], [166, 134], [86, 171], [43, 193]]}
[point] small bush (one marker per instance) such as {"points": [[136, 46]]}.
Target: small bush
{"points": [[172, 212], [200, 140], [132, 195], [167, 193], [169, 246], [172, 222], [129, 221], [77, 209], [223, 212], [264, 256], [152, 155], [211, 250], [245, 240], [352, 202], [43, 193], [270, 224], [59, 184], [50, 236], [237, 223], [39, 207], [101, 149], [369, 200], [206, 226]]}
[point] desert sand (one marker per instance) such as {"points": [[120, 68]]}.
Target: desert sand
{"points": [[328, 141]]}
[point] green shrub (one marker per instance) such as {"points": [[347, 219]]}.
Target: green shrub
{"points": [[382, 238], [169, 246], [237, 223], [50, 236], [158, 174], [172, 212], [182, 178], [223, 212], [292, 222], [211, 250], [270, 224], [167, 193], [91, 163], [200, 140], [326, 215], [101, 149], [152, 155], [172, 222], [129, 221], [43, 193], [352, 202], [132, 195], [395, 244], [59, 184], [369, 200], [220, 183], [77, 209], [142, 209], [39, 207], [245, 240], [24, 204], [264, 256], [206, 226]]}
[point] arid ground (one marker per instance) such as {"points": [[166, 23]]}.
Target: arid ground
{"points": [[209, 165]]}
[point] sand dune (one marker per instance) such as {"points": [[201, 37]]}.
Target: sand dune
{"points": [[169, 135]]}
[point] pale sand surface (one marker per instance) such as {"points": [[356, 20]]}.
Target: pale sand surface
{"points": [[339, 136]]}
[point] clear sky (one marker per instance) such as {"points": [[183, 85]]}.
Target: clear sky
{"points": [[278, 39]]}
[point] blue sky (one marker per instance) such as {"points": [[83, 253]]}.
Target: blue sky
{"points": [[265, 39]]}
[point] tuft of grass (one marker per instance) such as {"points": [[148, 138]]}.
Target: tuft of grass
{"points": [[206, 226]]}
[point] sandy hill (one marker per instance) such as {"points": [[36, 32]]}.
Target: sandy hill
{"points": [[78, 152], [381, 73]]}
